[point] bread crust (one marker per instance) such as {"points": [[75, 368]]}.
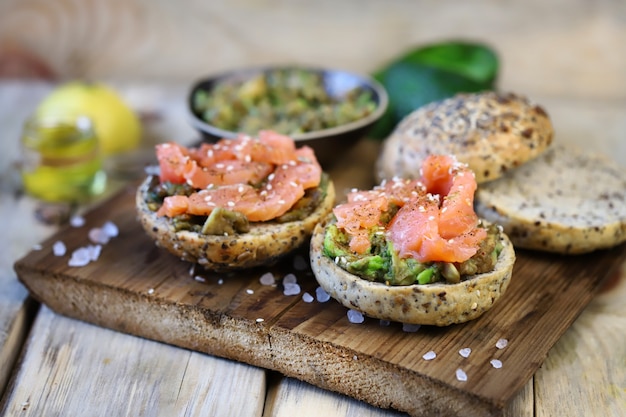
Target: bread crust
{"points": [[566, 201], [265, 243], [490, 132], [438, 304]]}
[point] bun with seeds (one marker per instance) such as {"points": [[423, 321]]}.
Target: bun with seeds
{"points": [[236, 203], [491, 132], [414, 251], [565, 201]]}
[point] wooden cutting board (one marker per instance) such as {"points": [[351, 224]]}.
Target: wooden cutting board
{"points": [[136, 288]]}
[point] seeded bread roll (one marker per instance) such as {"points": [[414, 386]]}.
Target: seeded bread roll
{"points": [[263, 244], [565, 201], [490, 132], [438, 304]]}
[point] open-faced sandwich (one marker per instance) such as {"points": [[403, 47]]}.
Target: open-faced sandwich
{"points": [[414, 251], [234, 204]]}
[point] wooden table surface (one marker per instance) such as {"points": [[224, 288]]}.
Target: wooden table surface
{"points": [[53, 365]]}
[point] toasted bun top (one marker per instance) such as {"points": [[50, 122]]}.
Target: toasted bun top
{"points": [[439, 304], [490, 132], [565, 201]]}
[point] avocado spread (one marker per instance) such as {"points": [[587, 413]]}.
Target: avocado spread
{"points": [[223, 221], [382, 263]]}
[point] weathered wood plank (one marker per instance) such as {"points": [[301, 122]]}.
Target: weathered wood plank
{"points": [[311, 341], [126, 376], [584, 373]]}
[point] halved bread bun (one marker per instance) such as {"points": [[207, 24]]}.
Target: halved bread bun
{"points": [[263, 244], [490, 132], [438, 304], [565, 201]]}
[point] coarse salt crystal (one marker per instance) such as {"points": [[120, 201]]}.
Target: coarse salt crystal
{"points": [[410, 328], [321, 295], [110, 229], [77, 221], [429, 356], [465, 352], [502, 343], [249, 291], [307, 298], [151, 291], [260, 320], [199, 278], [220, 281], [496, 363], [59, 248], [461, 375], [267, 279], [83, 255], [291, 288], [290, 279], [355, 316]]}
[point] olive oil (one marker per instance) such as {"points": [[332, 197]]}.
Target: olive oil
{"points": [[61, 160]]}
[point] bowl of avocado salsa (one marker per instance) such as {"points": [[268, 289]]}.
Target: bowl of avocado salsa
{"points": [[326, 109]]}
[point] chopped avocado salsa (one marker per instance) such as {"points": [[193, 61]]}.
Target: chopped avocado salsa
{"points": [[224, 221], [382, 263], [288, 101]]}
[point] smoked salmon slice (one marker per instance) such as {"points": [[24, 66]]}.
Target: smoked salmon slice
{"points": [[261, 178], [435, 219]]}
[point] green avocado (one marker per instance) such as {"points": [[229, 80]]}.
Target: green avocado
{"points": [[383, 264]]}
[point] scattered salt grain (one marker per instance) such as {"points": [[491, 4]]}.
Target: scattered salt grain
{"points": [[290, 279], [384, 323], [465, 352], [321, 295], [267, 279], [151, 291], [355, 317], [355, 358], [97, 235], [59, 248], [83, 255], [77, 221], [307, 298], [220, 281], [429, 356], [260, 320], [299, 263], [199, 278], [291, 288], [461, 375], [502, 343], [37, 247], [103, 234], [410, 328], [249, 291], [496, 363]]}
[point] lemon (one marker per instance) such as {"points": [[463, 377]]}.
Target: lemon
{"points": [[118, 128]]}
